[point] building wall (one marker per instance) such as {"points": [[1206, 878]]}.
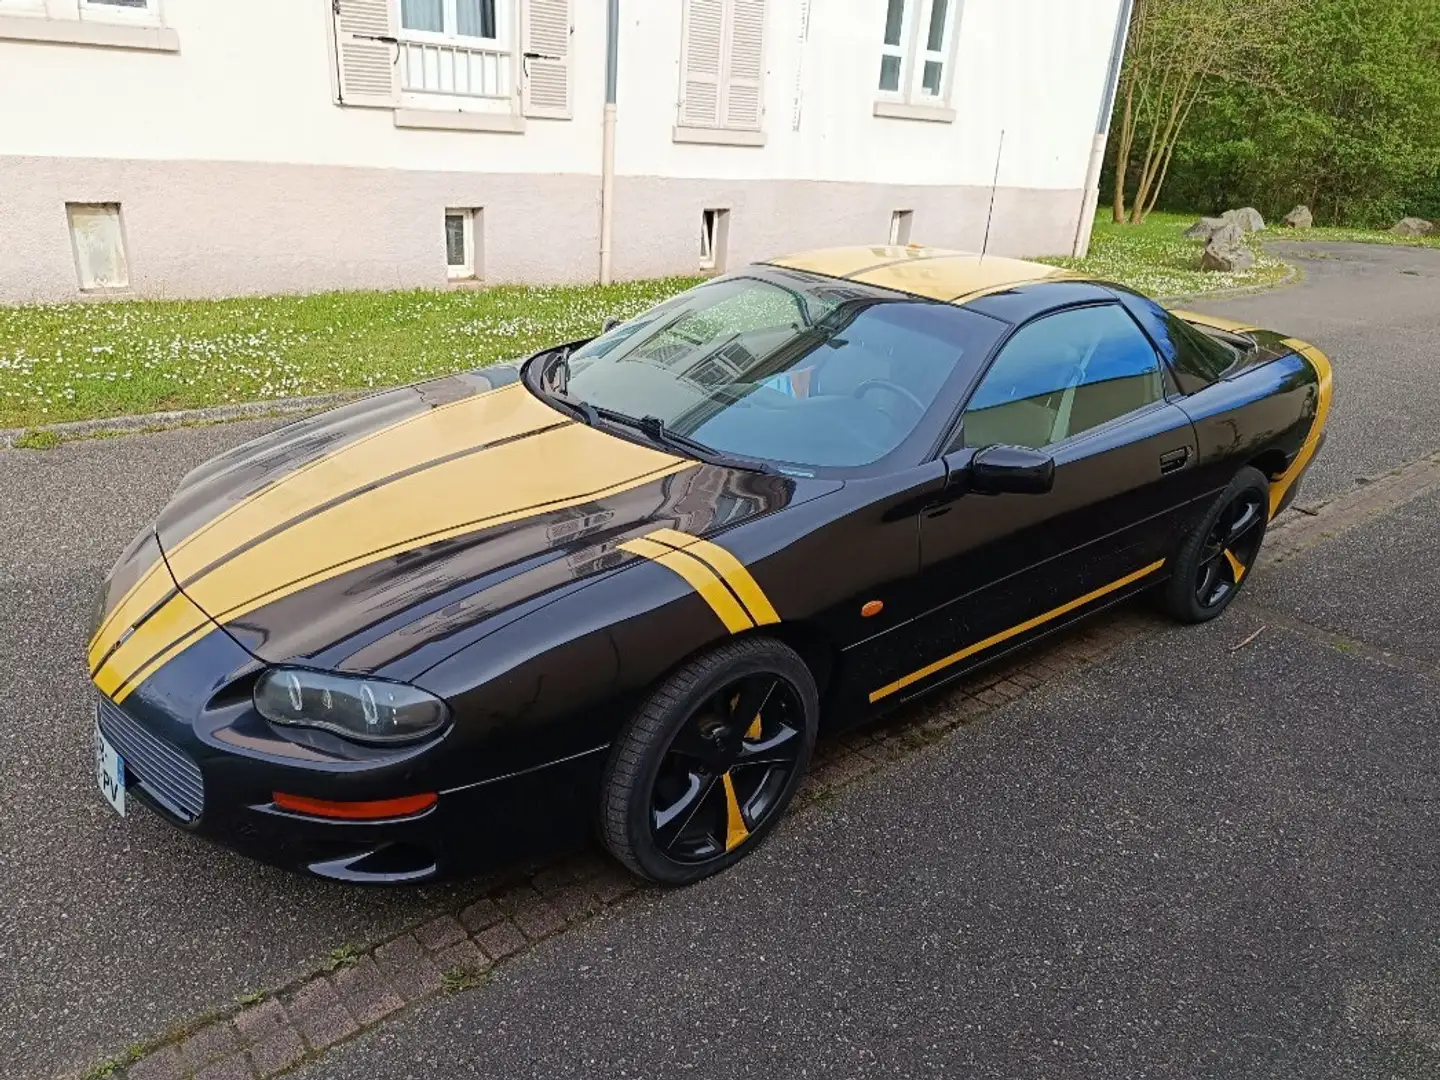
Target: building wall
{"points": [[237, 172]]}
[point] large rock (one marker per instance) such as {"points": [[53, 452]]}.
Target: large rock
{"points": [[1230, 235], [1247, 218], [1414, 226], [1299, 218], [1204, 228], [1223, 258]]}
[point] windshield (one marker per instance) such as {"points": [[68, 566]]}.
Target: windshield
{"points": [[824, 374]]}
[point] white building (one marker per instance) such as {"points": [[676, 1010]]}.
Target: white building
{"points": [[209, 147]]}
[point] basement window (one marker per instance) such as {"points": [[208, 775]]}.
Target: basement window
{"points": [[98, 242], [900, 227], [464, 244], [714, 236], [122, 9]]}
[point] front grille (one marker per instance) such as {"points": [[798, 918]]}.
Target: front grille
{"points": [[161, 769]]}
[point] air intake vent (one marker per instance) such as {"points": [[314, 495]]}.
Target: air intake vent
{"points": [[170, 777]]}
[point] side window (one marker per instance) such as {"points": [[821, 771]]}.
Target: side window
{"points": [[1062, 375]]}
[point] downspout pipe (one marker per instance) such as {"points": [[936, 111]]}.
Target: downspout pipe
{"points": [[1091, 199], [607, 152]]}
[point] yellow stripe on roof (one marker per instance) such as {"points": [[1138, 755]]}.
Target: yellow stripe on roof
{"points": [[934, 273], [956, 276]]}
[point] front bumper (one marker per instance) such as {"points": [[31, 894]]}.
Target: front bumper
{"points": [[213, 777]]}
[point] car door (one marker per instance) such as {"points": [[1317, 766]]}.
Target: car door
{"points": [[1087, 388]]}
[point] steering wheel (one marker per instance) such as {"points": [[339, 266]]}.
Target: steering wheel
{"points": [[894, 388]]}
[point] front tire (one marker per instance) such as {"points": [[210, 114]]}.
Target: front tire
{"points": [[1217, 558], [706, 767]]}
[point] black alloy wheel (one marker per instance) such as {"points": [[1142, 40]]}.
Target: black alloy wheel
{"points": [[1218, 557], [1230, 549], [726, 768], [709, 764]]}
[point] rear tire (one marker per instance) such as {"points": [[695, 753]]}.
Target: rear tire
{"points": [[706, 767], [1217, 558]]}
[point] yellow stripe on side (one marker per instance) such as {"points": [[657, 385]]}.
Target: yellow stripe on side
{"points": [[1325, 387], [700, 577], [1014, 631], [740, 580]]}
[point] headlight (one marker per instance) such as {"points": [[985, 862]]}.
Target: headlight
{"points": [[368, 710]]}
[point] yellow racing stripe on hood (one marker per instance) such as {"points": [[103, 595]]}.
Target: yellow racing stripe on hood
{"points": [[177, 620], [508, 413], [554, 469], [485, 417]]}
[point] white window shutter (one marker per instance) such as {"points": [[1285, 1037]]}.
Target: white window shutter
{"points": [[546, 45], [365, 52], [744, 71], [700, 63]]}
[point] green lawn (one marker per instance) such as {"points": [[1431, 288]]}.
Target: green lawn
{"points": [[78, 361], [1156, 259]]}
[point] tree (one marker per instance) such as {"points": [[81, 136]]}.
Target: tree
{"points": [[1348, 127], [1180, 52]]}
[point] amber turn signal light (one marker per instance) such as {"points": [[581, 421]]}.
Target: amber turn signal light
{"points": [[873, 607], [356, 811]]}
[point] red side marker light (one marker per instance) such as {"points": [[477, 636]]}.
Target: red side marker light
{"points": [[356, 811]]}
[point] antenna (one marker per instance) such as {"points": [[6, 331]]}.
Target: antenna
{"points": [[991, 216]]}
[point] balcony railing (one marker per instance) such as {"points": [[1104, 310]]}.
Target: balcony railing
{"points": [[433, 68]]}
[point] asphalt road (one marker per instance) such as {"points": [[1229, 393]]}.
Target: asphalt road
{"points": [[1171, 881], [1375, 311], [1191, 862]]}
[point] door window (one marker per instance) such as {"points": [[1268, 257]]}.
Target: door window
{"points": [[1062, 375]]}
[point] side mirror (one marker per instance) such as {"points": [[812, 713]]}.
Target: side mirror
{"points": [[609, 324], [1012, 470]]}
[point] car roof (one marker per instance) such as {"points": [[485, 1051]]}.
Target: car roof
{"points": [[955, 277]]}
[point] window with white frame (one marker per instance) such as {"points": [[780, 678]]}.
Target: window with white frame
{"points": [[916, 53], [458, 47], [721, 65], [464, 233]]}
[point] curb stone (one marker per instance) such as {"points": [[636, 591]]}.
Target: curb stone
{"points": [[1295, 275], [448, 953]]}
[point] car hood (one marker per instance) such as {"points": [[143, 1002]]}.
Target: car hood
{"points": [[363, 536]]}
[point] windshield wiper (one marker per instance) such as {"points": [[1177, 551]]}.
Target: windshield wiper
{"points": [[560, 392], [653, 428]]}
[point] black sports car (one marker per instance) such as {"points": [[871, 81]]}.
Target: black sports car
{"points": [[624, 585]]}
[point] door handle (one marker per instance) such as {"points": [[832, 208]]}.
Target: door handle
{"points": [[1175, 460]]}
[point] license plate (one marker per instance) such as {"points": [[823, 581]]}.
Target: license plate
{"points": [[110, 773]]}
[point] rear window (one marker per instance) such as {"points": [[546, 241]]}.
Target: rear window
{"points": [[1188, 351]]}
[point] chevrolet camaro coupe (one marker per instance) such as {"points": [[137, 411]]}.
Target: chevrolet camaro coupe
{"points": [[621, 587]]}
